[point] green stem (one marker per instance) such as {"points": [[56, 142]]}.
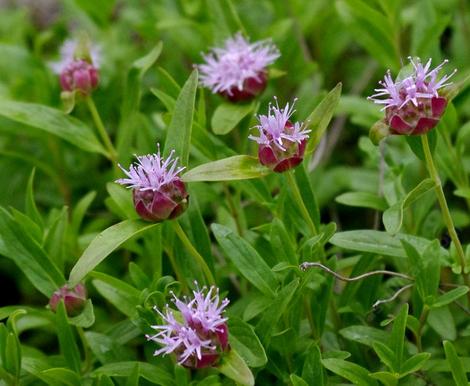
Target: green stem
{"points": [[422, 322], [443, 204], [87, 365], [101, 129], [189, 246], [300, 202]]}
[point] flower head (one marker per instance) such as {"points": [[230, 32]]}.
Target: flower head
{"points": [[281, 142], [74, 299], [80, 76], [67, 55], [238, 69], [413, 105], [199, 335], [158, 192]]}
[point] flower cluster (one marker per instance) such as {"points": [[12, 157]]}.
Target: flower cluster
{"points": [[199, 334], [237, 71], [158, 192], [413, 105], [281, 142]]}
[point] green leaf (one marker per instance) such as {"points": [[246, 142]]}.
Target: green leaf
{"points": [[59, 376], [104, 244], [386, 355], [122, 197], [456, 367], [228, 115], [234, 367], [276, 309], [152, 373], [67, 342], [312, 371], [133, 379], [378, 242], [397, 338], [364, 334], [30, 204], [246, 259], [120, 294], [450, 296], [319, 119], [414, 142], [308, 196], [393, 216], [362, 200], [415, 363], [86, 318], [282, 243], [12, 359], [54, 122], [178, 137], [239, 167], [297, 381], [80, 210], [351, 371], [244, 340], [386, 377], [442, 321], [28, 255]]}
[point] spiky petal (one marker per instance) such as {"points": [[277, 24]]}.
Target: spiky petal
{"points": [[200, 335], [67, 55], [238, 69]]}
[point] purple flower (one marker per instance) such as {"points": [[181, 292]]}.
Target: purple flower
{"points": [[198, 334], [67, 55], [237, 71], [281, 142], [413, 105], [158, 192], [74, 299], [80, 76]]}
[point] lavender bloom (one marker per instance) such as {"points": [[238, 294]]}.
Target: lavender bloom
{"points": [[237, 71], [158, 192], [200, 335], [281, 143], [413, 105], [67, 55]]}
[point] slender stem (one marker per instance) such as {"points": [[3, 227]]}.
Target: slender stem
{"points": [[300, 202], [443, 204], [87, 365], [305, 266], [422, 321], [233, 209], [199, 259], [101, 129], [392, 298]]}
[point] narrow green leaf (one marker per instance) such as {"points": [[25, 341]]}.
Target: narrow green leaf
{"points": [[282, 243], [362, 200], [415, 363], [364, 334], [385, 354], [227, 116], [86, 318], [450, 296], [67, 342], [398, 337], [297, 381], [244, 340], [122, 197], [54, 122], [239, 167], [414, 142], [319, 119], [458, 372], [351, 371], [378, 242], [59, 376], [120, 294], [393, 216], [12, 349], [386, 377], [234, 367], [133, 379], [104, 244], [442, 321], [312, 371], [30, 204], [80, 210], [179, 131], [246, 259]]}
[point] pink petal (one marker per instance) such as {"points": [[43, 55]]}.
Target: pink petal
{"points": [[424, 125], [438, 106], [399, 125]]}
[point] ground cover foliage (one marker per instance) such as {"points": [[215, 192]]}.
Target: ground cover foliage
{"points": [[350, 268]]}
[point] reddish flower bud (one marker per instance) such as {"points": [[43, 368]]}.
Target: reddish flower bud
{"points": [[281, 143], [74, 299], [79, 75], [158, 192], [413, 106], [251, 88]]}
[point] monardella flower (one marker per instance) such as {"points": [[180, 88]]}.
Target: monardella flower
{"points": [[158, 192], [237, 71], [414, 104], [68, 52], [80, 76], [281, 142], [74, 299], [197, 334]]}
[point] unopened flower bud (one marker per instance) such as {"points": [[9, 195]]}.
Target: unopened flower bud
{"points": [[281, 143], [199, 335], [415, 104], [79, 75], [158, 192], [74, 299], [238, 70]]}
